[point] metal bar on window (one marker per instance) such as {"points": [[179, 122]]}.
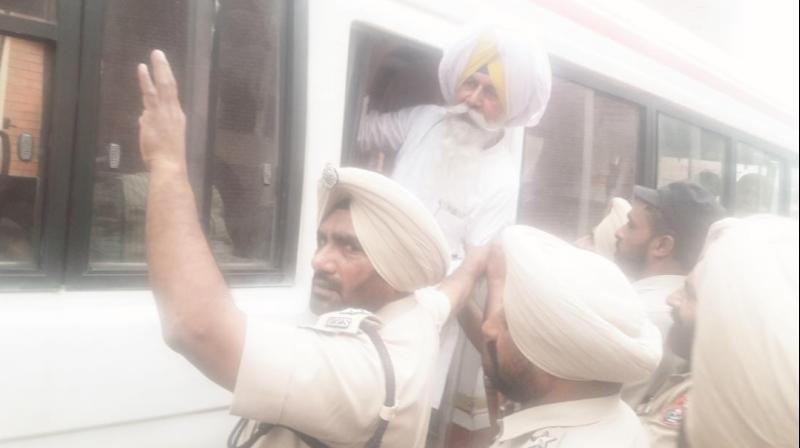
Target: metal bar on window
{"points": [[28, 28]]}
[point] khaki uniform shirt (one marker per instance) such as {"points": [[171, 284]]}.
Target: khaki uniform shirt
{"points": [[605, 422], [330, 384], [663, 410]]}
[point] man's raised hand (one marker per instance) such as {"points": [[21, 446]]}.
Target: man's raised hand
{"points": [[162, 125]]}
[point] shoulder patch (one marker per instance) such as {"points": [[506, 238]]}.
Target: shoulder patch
{"points": [[672, 415], [542, 439], [347, 321]]}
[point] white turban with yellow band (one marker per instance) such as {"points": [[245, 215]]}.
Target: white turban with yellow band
{"points": [[745, 353], [397, 232], [518, 67], [572, 313]]}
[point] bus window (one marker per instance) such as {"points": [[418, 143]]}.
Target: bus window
{"points": [[130, 31], [758, 181], [246, 138], [581, 154], [387, 73], [24, 67], [687, 152], [234, 167], [42, 10]]}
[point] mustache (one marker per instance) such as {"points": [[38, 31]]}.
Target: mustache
{"points": [[472, 116], [324, 280]]}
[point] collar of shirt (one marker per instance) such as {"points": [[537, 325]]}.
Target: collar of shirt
{"points": [[672, 282], [566, 413]]}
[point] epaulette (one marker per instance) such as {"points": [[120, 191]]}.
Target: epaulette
{"points": [[346, 321]]}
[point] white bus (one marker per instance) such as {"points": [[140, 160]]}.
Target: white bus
{"points": [[274, 90]]}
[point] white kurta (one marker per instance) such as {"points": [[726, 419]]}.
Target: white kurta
{"points": [[654, 292], [331, 386], [604, 422], [487, 204]]}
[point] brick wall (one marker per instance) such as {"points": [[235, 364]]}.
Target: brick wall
{"points": [[24, 96]]}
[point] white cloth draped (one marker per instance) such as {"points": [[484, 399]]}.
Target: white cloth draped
{"points": [[745, 353], [573, 313]]}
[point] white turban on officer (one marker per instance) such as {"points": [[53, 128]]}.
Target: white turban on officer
{"points": [[399, 235], [745, 352], [518, 67], [572, 312], [605, 241]]}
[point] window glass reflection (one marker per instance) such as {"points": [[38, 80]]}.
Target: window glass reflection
{"points": [[24, 73], [581, 154]]}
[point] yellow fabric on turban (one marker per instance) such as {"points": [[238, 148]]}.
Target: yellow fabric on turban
{"points": [[573, 313], [745, 352], [399, 235], [485, 55]]}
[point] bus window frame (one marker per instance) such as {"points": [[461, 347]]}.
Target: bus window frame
{"points": [[647, 162], [289, 180], [67, 176], [355, 86], [60, 99]]}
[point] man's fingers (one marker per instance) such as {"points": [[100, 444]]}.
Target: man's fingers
{"points": [[162, 72], [146, 86]]}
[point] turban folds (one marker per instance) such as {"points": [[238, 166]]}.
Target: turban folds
{"points": [[573, 313], [605, 243], [399, 235], [745, 352], [517, 66]]}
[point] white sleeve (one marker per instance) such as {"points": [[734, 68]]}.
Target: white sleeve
{"points": [[385, 131], [497, 211], [436, 303], [295, 376]]}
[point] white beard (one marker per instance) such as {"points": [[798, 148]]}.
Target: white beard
{"points": [[457, 167]]}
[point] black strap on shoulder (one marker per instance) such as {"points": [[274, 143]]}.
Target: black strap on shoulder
{"points": [[388, 372], [377, 437]]}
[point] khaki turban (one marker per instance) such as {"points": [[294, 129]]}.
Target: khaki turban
{"points": [[518, 67], [745, 353], [605, 241], [573, 313], [399, 235]]}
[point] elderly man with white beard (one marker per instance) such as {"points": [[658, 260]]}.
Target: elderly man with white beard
{"points": [[457, 158]]}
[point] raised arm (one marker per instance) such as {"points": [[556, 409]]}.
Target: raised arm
{"points": [[385, 131], [198, 316], [458, 285]]}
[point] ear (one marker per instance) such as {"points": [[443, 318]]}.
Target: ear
{"points": [[662, 246]]}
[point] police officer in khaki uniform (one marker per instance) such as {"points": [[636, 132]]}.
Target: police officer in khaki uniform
{"points": [[664, 407], [565, 331], [737, 321], [359, 377]]}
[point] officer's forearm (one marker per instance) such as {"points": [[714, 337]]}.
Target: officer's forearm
{"points": [[199, 318], [471, 319], [458, 286]]}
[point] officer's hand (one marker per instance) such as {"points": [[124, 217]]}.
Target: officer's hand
{"points": [[162, 126], [476, 259]]}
